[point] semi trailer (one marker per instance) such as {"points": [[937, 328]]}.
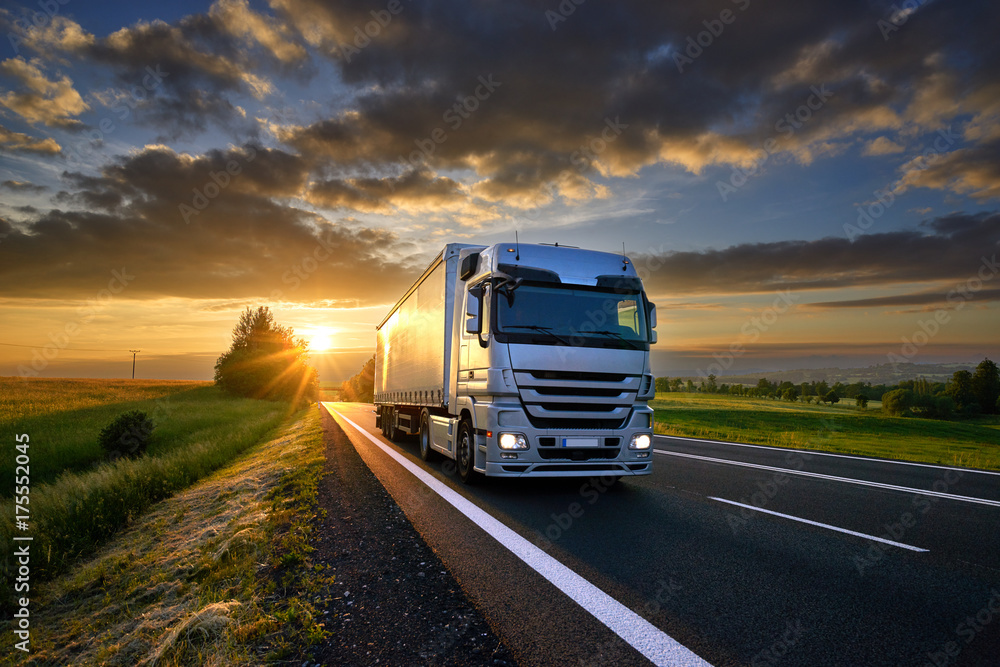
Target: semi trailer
{"points": [[519, 360]]}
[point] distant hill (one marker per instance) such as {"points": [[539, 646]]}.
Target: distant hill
{"points": [[877, 374]]}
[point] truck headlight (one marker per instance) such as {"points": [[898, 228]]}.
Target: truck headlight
{"points": [[512, 441], [640, 441]]}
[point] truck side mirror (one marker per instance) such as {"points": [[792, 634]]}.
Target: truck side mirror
{"points": [[472, 313], [652, 316]]}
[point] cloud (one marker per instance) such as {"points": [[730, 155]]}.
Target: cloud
{"points": [[530, 141], [914, 299], [243, 244], [49, 102], [19, 142], [21, 186], [236, 17], [973, 171], [948, 248], [206, 60], [881, 146]]}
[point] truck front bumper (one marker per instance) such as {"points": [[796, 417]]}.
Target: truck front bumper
{"points": [[566, 452]]}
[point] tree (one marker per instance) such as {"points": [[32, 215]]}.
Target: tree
{"points": [[862, 401], [711, 387], [361, 387], [897, 402], [986, 385], [960, 390], [676, 384], [790, 394], [663, 384], [266, 360], [831, 397], [690, 386]]}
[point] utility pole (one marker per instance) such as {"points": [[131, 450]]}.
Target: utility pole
{"points": [[134, 352]]}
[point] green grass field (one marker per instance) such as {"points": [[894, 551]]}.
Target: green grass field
{"points": [[843, 429], [77, 497]]}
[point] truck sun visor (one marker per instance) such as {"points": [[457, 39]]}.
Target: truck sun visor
{"points": [[623, 284], [529, 273]]}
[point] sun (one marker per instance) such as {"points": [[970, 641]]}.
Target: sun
{"points": [[321, 339]]}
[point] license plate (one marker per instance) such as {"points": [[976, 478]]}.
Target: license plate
{"points": [[580, 442]]}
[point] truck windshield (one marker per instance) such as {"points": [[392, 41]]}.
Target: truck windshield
{"points": [[573, 315]]}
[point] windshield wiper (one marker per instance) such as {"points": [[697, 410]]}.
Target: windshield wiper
{"points": [[619, 337], [535, 327]]}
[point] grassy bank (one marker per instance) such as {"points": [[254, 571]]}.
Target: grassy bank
{"points": [[843, 429], [77, 500], [218, 574]]}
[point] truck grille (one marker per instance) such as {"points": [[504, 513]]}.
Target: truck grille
{"points": [[577, 400]]}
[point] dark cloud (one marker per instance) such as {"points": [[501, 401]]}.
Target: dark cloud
{"points": [[22, 186], [918, 299], [620, 61], [239, 241], [949, 248], [18, 142]]}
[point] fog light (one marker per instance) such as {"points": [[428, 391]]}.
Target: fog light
{"points": [[640, 441], [512, 441]]}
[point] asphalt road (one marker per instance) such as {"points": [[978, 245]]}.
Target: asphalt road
{"points": [[736, 555]]}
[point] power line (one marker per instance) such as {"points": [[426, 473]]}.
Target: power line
{"points": [[69, 349]]}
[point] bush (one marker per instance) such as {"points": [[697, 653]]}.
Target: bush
{"points": [[127, 435]]}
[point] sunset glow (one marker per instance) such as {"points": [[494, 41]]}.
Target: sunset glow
{"points": [[162, 167]]}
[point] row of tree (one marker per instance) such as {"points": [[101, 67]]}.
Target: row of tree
{"points": [[965, 394], [361, 387]]}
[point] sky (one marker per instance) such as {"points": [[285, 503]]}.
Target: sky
{"points": [[801, 185]]}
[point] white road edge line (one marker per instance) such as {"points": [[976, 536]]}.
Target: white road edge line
{"points": [[842, 456], [653, 643], [822, 525], [832, 478]]}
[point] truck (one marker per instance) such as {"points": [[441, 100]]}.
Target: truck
{"points": [[519, 360]]}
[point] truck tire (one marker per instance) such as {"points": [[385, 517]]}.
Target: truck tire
{"points": [[384, 421], [465, 453], [426, 453]]}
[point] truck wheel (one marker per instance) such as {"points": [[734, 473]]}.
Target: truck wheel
{"points": [[384, 422], [465, 453], [426, 453]]}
